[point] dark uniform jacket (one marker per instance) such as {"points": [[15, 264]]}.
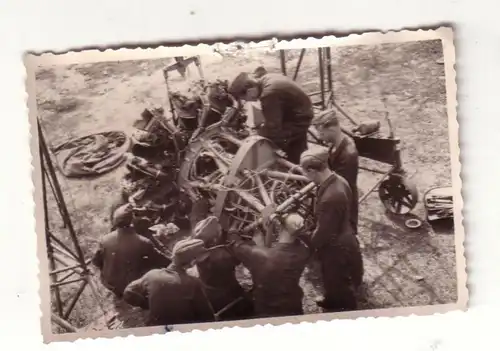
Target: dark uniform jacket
{"points": [[172, 297], [287, 109], [345, 162], [337, 247], [275, 274], [217, 273], [332, 211], [124, 256]]}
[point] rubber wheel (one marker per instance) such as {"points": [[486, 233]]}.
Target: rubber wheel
{"points": [[398, 195]]}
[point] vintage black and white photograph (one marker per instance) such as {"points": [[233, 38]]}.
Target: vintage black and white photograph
{"points": [[234, 185]]}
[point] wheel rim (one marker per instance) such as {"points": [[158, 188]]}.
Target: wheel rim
{"points": [[398, 195], [246, 185]]}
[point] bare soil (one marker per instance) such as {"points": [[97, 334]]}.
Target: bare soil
{"points": [[403, 267]]}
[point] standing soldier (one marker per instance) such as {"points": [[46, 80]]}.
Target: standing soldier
{"points": [[343, 158], [171, 295], [286, 108], [124, 255], [333, 239], [276, 271], [217, 273]]}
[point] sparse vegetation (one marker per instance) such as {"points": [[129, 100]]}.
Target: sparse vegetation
{"points": [[80, 99]]}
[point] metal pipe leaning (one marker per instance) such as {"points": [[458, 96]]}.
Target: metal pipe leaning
{"points": [[283, 206]]}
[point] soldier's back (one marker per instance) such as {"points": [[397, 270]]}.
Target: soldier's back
{"points": [[217, 273], [170, 296], [292, 96], [277, 291], [126, 258]]}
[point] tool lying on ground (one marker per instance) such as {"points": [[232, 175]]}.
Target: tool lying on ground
{"points": [[438, 203]]}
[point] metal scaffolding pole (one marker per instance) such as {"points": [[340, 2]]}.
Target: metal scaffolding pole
{"points": [[66, 259]]}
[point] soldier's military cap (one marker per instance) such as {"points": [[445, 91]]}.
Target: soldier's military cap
{"points": [[185, 251], [314, 154], [326, 117]]}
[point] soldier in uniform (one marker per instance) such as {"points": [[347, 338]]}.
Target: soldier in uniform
{"points": [[217, 272], [276, 270], [124, 255], [333, 240], [343, 158], [286, 108], [171, 295]]}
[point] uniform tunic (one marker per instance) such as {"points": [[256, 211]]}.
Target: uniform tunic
{"points": [[172, 297], [217, 273], [344, 161], [337, 248], [124, 256], [288, 113], [275, 273]]}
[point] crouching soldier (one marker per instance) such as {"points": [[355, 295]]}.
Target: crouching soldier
{"points": [[343, 158], [124, 255], [333, 239], [217, 272], [276, 270], [171, 295]]}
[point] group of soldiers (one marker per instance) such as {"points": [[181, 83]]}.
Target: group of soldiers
{"points": [[136, 270]]}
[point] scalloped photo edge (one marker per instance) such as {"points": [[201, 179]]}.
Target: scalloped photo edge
{"points": [[445, 34]]}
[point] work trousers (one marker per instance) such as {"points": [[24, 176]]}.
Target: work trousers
{"points": [[295, 146], [342, 272]]}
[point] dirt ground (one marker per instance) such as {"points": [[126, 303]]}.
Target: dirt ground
{"points": [[402, 267]]}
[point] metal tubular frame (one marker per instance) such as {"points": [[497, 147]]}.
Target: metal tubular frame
{"points": [[321, 62], [73, 261], [181, 63], [283, 62], [324, 59]]}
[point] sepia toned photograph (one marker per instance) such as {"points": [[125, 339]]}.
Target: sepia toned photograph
{"points": [[246, 183]]}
